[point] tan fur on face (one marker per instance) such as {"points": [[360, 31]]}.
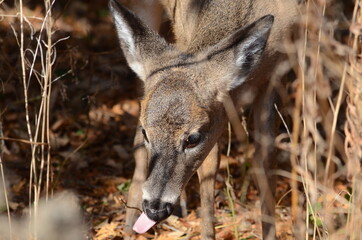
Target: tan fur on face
{"points": [[172, 109]]}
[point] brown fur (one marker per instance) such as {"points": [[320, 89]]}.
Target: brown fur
{"points": [[222, 47]]}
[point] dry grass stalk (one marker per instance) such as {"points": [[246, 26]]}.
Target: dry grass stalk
{"points": [[37, 126], [353, 142], [317, 152]]}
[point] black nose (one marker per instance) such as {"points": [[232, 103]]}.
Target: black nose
{"points": [[157, 210]]}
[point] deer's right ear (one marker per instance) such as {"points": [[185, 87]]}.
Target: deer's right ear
{"points": [[235, 56], [139, 43]]}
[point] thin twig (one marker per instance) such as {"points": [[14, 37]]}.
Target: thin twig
{"points": [[125, 204], [228, 184], [22, 141]]}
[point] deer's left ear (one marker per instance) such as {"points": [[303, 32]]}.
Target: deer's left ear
{"points": [[236, 55], [139, 43]]}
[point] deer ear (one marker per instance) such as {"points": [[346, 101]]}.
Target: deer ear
{"points": [[240, 52], [139, 42]]}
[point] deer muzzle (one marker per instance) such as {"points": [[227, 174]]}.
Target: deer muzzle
{"points": [[157, 210]]}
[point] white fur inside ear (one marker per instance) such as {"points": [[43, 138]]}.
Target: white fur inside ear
{"points": [[245, 51], [125, 34], [247, 55], [138, 69], [127, 40]]}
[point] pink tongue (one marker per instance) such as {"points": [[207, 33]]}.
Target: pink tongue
{"points": [[143, 223]]}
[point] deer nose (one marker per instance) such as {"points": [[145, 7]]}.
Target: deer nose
{"points": [[157, 210]]}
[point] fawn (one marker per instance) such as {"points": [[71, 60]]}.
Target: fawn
{"points": [[223, 49]]}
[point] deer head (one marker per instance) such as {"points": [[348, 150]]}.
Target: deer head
{"points": [[182, 114]]}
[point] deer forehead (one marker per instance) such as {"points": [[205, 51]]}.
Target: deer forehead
{"points": [[172, 105]]}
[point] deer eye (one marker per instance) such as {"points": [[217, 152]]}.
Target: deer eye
{"points": [[193, 140], [144, 134]]}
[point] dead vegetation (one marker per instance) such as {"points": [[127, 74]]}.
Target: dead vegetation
{"points": [[68, 112]]}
